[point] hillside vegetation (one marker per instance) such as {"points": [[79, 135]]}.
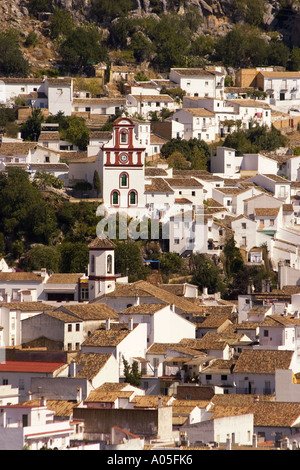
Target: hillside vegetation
{"points": [[70, 36]]}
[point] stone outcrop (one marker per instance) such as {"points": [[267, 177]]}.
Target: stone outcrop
{"points": [[218, 17]]}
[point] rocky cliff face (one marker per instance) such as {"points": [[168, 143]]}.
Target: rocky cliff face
{"points": [[218, 17]]}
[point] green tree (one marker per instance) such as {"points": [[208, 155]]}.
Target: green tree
{"points": [[171, 42], [39, 6], [107, 10], [194, 151], [131, 373], [41, 256], [97, 182], [44, 179], [31, 39], [278, 53], [76, 131], [2, 245], [206, 274], [24, 214], [243, 46], [74, 257], [177, 161], [82, 47], [12, 60], [255, 139], [129, 261], [31, 128], [61, 23], [142, 47], [170, 263], [202, 46], [294, 60], [6, 115], [233, 258]]}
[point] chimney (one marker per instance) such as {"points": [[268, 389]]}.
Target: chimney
{"points": [[130, 324], [107, 325], [228, 442], [43, 401], [79, 395], [29, 395], [72, 369], [296, 314]]}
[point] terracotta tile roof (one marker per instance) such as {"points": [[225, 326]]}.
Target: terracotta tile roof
{"points": [[250, 103], [112, 387], [180, 405], [90, 364], [91, 311], [107, 396], [195, 72], [284, 74], [146, 289], [31, 366], [102, 241], [159, 348], [21, 277], [49, 166], [215, 321], [213, 340], [143, 309], [189, 349], [266, 211], [101, 135], [158, 185], [203, 174], [64, 278], [176, 289], [28, 306], [184, 182], [62, 316], [161, 98], [100, 101], [49, 136], [17, 148], [221, 399], [152, 171], [220, 366], [64, 81], [280, 320], [21, 80], [156, 139], [151, 401], [199, 112], [278, 179], [107, 338], [233, 190], [281, 414], [263, 361], [61, 408]]}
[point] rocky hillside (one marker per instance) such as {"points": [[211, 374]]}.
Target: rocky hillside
{"points": [[217, 18]]}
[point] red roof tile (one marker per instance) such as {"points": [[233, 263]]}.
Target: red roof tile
{"points": [[30, 366]]}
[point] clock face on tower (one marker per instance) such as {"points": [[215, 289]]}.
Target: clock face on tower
{"points": [[124, 158]]}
